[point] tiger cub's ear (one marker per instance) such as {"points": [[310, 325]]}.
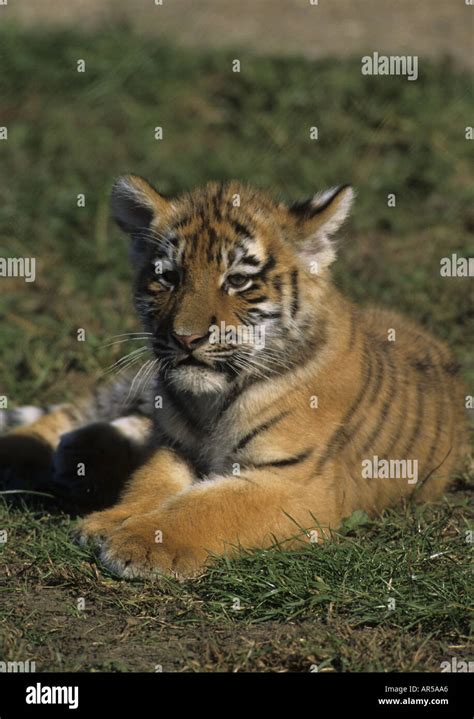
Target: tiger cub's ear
{"points": [[135, 203], [316, 220]]}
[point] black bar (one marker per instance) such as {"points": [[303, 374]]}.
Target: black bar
{"points": [[313, 694]]}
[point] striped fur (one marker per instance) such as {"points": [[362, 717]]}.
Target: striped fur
{"points": [[247, 445]]}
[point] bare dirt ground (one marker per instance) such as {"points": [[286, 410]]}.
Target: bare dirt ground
{"points": [[104, 640], [428, 28]]}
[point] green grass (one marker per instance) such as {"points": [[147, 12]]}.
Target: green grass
{"points": [[71, 133], [315, 607]]}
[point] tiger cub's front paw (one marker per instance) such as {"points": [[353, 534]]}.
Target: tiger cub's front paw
{"points": [[151, 545], [97, 527]]}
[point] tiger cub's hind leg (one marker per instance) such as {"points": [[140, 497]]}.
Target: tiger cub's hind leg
{"points": [[92, 464], [26, 450], [56, 454]]}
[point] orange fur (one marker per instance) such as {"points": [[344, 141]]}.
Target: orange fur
{"points": [[341, 386]]}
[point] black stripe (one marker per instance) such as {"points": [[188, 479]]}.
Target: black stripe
{"points": [[452, 368], [183, 408], [211, 231], [302, 208], [276, 282], [432, 471], [241, 229], [254, 300], [378, 377], [233, 395], [263, 315], [312, 346], [269, 265], [289, 461], [242, 319], [340, 437], [418, 420], [261, 428], [352, 334], [385, 407], [440, 407], [217, 202], [402, 421], [250, 260], [422, 364], [180, 224], [305, 209], [363, 390], [294, 293]]}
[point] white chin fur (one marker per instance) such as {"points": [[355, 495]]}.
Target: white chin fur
{"points": [[198, 380]]}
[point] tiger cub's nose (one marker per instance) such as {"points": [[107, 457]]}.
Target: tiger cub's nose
{"points": [[189, 342]]}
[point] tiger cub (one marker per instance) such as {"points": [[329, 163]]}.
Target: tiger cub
{"points": [[276, 408]]}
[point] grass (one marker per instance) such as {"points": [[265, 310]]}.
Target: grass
{"points": [[320, 607], [72, 133]]}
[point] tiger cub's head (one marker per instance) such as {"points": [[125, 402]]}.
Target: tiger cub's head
{"points": [[230, 284]]}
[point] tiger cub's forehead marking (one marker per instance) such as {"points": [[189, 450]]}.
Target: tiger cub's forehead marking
{"points": [[207, 228], [225, 242], [247, 257]]}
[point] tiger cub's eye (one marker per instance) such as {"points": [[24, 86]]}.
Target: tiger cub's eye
{"points": [[237, 280], [171, 277]]}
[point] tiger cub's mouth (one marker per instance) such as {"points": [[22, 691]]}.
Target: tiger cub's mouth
{"points": [[192, 361], [192, 375]]}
